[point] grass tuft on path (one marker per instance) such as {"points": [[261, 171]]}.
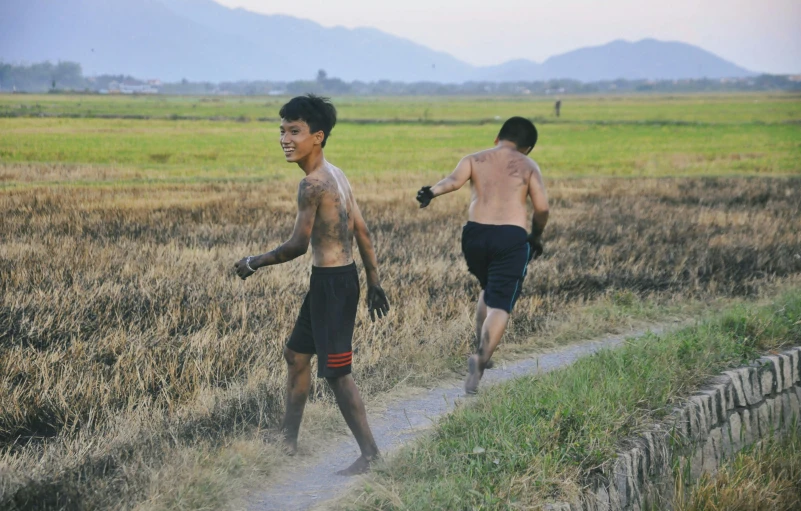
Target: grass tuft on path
{"points": [[526, 442]]}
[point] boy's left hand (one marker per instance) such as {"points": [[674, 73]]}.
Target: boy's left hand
{"points": [[377, 303]]}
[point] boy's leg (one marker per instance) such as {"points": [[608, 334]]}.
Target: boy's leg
{"points": [[477, 259], [491, 333], [352, 408], [481, 316], [333, 321], [494, 327], [505, 273], [298, 382], [297, 353]]}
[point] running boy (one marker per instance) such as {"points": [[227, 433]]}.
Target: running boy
{"points": [[495, 240]]}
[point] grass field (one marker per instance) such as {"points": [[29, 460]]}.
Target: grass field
{"points": [[196, 151], [533, 439], [670, 109], [147, 376]]}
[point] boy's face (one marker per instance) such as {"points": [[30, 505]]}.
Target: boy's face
{"points": [[296, 140]]}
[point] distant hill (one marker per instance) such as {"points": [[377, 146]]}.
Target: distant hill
{"points": [[350, 54], [202, 40], [643, 60]]}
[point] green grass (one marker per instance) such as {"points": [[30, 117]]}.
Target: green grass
{"points": [[203, 150], [527, 441], [630, 136], [703, 108], [765, 477]]}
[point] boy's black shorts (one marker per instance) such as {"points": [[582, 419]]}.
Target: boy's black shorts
{"points": [[326, 320], [498, 255]]}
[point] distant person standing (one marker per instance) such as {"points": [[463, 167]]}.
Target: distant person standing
{"points": [[328, 218], [495, 241], [557, 107]]}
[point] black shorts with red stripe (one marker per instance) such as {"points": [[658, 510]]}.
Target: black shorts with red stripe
{"points": [[325, 324]]}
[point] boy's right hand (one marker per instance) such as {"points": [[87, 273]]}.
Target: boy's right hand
{"points": [[535, 243], [243, 268], [424, 196]]}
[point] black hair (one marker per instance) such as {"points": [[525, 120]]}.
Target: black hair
{"points": [[316, 111], [519, 130]]}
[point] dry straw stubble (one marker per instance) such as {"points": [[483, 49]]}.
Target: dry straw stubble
{"points": [[123, 336]]}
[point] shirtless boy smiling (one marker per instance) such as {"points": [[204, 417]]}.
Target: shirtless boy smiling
{"points": [[328, 218]]}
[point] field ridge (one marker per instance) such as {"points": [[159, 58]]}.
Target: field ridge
{"points": [[402, 422]]}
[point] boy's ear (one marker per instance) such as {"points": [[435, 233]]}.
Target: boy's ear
{"points": [[319, 136], [497, 140]]}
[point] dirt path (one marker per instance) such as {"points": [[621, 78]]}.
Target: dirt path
{"points": [[313, 483]]}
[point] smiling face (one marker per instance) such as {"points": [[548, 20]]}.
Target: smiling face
{"points": [[297, 141]]}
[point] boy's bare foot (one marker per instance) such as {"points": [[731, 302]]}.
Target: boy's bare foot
{"points": [[474, 373], [360, 466]]}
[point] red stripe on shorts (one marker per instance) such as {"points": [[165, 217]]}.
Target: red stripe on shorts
{"points": [[341, 355], [340, 360], [337, 366]]}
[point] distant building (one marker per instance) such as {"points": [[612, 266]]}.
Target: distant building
{"points": [[132, 87]]}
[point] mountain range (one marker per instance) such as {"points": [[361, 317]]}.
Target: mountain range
{"points": [[202, 40]]}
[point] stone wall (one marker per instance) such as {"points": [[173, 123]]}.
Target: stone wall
{"points": [[736, 410]]}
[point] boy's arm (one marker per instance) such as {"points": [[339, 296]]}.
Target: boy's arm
{"points": [[377, 303], [309, 193], [539, 199], [453, 182]]}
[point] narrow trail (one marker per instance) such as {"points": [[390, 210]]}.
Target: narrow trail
{"points": [[313, 483]]}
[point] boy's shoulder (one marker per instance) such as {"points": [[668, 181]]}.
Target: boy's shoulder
{"points": [[481, 156], [312, 186]]}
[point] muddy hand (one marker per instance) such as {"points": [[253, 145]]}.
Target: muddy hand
{"points": [[243, 268], [424, 196], [535, 243], [377, 302]]}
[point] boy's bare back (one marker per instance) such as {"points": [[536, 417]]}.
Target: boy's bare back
{"points": [[502, 178]]}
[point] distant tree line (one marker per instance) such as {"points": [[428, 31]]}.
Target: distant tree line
{"points": [[41, 77], [68, 76], [337, 87]]}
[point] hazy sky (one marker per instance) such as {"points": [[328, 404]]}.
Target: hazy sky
{"points": [[761, 35]]}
